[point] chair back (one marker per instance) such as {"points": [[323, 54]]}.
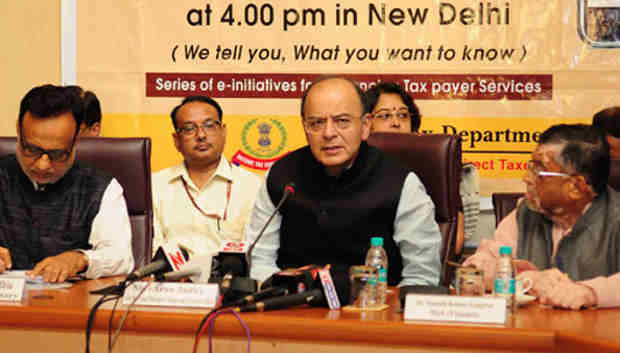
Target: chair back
{"points": [[129, 161], [436, 160], [504, 203]]}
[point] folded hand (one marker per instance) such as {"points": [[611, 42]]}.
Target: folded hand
{"points": [[553, 287]]}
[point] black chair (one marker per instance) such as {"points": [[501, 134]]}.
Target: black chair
{"points": [[129, 161], [436, 160]]}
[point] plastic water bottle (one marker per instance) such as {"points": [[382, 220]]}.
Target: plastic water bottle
{"points": [[381, 286], [370, 297], [504, 283], [377, 258]]}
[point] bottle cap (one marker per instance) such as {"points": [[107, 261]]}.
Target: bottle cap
{"points": [[376, 241], [505, 250]]}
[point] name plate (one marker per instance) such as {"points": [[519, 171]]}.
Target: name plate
{"points": [[180, 294], [454, 308], [12, 289]]}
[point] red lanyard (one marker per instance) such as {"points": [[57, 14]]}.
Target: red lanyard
{"points": [[216, 216]]}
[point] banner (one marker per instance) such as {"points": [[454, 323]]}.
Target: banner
{"points": [[497, 73]]}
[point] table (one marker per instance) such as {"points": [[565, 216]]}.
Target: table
{"points": [[55, 321]]}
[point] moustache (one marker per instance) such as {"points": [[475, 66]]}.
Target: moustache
{"points": [[202, 145]]}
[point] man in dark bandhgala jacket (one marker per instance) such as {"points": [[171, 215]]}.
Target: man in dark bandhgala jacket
{"points": [[59, 218], [346, 193]]}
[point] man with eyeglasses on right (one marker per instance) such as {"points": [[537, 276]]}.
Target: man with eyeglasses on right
{"points": [[346, 193], [204, 200], [566, 233]]}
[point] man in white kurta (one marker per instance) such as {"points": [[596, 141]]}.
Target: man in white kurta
{"points": [[205, 199]]}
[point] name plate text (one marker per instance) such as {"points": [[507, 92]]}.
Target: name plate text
{"points": [[12, 289], [453, 308], [179, 294]]}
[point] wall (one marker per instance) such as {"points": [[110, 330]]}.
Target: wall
{"points": [[31, 53]]}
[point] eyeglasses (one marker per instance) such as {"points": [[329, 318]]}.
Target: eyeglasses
{"points": [[401, 115], [35, 152], [191, 129], [536, 170], [317, 125]]}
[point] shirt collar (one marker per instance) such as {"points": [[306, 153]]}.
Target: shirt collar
{"points": [[566, 231], [223, 171]]}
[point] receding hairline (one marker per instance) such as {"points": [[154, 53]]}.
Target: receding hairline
{"points": [[198, 102], [325, 79]]}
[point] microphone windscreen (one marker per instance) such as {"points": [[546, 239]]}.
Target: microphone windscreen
{"points": [[233, 265], [290, 188]]}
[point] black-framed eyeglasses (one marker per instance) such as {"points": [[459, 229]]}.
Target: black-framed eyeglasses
{"points": [[317, 125], [35, 152], [401, 115], [536, 170], [191, 129]]}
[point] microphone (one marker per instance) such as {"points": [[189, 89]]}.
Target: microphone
{"points": [[230, 269], [178, 275], [289, 191], [329, 289], [308, 297], [261, 295], [166, 258], [296, 280], [231, 266], [197, 269]]}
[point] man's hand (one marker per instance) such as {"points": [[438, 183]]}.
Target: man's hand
{"points": [[553, 287], [524, 265], [544, 281], [5, 259], [60, 267], [570, 295]]}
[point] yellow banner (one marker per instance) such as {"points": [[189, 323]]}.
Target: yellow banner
{"points": [[495, 72]]}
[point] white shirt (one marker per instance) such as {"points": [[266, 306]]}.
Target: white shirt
{"points": [[110, 236], [179, 222]]}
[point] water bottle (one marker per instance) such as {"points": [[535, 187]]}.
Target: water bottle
{"points": [[381, 286], [370, 297], [504, 282], [377, 258]]}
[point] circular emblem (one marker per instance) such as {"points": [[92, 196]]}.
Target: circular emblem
{"points": [[263, 137]]}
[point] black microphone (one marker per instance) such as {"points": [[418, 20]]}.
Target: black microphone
{"points": [[312, 296], [166, 259], [178, 275], [262, 295], [296, 280], [230, 269], [336, 287], [289, 191], [231, 266]]}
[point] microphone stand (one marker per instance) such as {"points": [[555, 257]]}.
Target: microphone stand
{"points": [[289, 190]]}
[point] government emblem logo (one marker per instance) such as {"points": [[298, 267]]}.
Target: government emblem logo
{"points": [[263, 140]]}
